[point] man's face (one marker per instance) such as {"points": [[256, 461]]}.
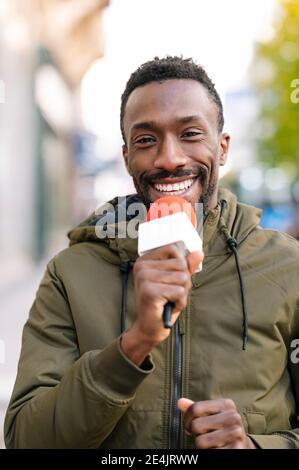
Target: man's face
{"points": [[173, 146]]}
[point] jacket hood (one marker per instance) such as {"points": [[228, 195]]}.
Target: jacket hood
{"points": [[113, 218]]}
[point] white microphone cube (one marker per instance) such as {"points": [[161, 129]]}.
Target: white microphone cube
{"points": [[175, 228]]}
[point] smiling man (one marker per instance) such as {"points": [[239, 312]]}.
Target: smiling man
{"points": [[99, 370]]}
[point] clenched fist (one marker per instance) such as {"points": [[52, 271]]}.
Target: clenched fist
{"points": [[214, 424]]}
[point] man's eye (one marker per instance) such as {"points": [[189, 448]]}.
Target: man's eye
{"points": [[191, 134], [145, 140]]}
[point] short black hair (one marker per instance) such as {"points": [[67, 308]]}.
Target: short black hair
{"points": [[167, 68]]}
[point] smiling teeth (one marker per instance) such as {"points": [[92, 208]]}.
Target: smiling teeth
{"points": [[169, 188]]}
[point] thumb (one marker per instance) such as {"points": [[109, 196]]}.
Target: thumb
{"points": [[184, 404], [194, 259]]}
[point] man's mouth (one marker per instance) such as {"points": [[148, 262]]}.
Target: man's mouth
{"points": [[176, 188]]}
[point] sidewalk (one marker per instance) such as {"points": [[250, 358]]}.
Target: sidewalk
{"points": [[15, 301]]}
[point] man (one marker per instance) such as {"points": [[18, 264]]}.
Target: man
{"points": [[225, 375]]}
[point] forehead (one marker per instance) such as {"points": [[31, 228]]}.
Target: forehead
{"points": [[163, 101]]}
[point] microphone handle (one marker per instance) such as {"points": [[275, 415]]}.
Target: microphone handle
{"points": [[167, 314]]}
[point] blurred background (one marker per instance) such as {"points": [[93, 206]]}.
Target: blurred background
{"points": [[63, 67]]}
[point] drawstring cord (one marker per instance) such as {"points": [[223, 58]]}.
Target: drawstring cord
{"points": [[233, 245], [124, 269]]}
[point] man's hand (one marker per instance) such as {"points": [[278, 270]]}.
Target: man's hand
{"points": [[160, 276], [214, 424]]}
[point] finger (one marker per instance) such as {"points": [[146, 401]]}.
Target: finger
{"points": [[211, 440], [179, 278], [231, 437], [237, 445], [172, 264], [164, 252], [194, 259], [223, 420], [184, 404], [163, 293], [206, 408]]}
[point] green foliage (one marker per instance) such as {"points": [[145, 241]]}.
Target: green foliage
{"points": [[276, 68]]}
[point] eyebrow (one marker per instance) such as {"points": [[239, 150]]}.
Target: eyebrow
{"points": [[186, 119], [145, 125], [151, 125]]}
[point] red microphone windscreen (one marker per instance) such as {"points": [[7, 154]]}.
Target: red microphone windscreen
{"points": [[170, 205]]}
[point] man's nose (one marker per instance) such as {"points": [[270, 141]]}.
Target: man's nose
{"points": [[170, 155]]}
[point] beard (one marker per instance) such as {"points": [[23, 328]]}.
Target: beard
{"points": [[144, 182]]}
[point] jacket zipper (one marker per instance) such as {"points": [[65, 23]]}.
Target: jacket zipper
{"points": [[177, 380]]}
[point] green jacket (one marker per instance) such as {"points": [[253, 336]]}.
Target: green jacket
{"points": [[75, 388]]}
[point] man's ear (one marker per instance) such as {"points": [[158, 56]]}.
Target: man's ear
{"points": [[126, 157], [224, 146]]}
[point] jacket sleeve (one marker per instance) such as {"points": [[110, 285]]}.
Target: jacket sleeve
{"points": [[286, 439], [62, 400]]}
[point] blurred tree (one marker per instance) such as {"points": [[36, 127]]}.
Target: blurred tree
{"points": [[276, 74]]}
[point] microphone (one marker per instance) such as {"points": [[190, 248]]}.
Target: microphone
{"points": [[170, 219]]}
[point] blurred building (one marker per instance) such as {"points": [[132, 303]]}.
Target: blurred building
{"points": [[46, 47], [46, 156], [241, 109]]}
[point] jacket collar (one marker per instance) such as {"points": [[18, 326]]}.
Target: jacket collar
{"points": [[239, 219]]}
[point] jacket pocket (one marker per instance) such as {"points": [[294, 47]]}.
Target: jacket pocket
{"points": [[256, 422]]}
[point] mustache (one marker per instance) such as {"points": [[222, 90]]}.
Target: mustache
{"points": [[200, 172]]}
